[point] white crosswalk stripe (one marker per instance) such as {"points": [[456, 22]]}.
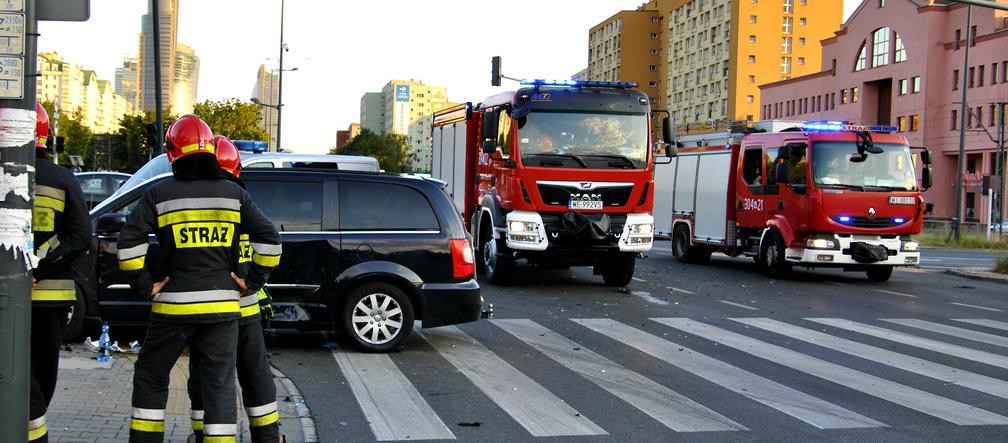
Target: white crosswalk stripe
{"points": [[916, 365], [940, 407], [1000, 361], [797, 404], [968, 334], [530, 404], [993, 324], [374, 378], [665, 405]]}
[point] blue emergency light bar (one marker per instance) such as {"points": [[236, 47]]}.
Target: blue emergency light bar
{"points": [[825, 126], [250, 145], [579, 84]]}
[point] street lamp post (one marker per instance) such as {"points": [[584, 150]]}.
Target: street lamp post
{"points": [[279, 104]]}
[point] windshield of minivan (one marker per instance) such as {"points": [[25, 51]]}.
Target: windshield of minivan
{"points": [[583, 140], [837, 165], [157, 166]]}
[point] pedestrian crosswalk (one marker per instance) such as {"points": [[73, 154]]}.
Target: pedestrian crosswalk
{"points": [[734, 373]]}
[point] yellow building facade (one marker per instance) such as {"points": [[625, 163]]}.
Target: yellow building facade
{"points": [[81, 92]]}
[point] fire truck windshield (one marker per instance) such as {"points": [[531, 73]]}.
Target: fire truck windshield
{"points": [[839, 165], [583, 140]]}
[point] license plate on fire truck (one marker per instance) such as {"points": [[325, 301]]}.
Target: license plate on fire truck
{"points": [[585, 203]]}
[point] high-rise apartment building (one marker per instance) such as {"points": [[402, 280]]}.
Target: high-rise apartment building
{"points": [[266, 90], [168, 27], [185, 77], [91, 100], [405, 108], [127, 81], [704, 60]]}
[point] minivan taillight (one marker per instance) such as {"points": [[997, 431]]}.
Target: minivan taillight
{"points": [[463, 263]]}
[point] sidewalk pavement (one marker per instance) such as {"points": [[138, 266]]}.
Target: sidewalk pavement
{"points": [[92, 402], [979, 273]]}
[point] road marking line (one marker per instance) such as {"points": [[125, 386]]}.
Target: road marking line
{"points": [[739, 305], [940, 407], [946, 374], [638, 279], [530, 404], [650, 299], [374, 379], [670, 408], [992, 359], [901, 294], [993, 324], [975, 307], [679, 290], [804, 407], [967, 334]]}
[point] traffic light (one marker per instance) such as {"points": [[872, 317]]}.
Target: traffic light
{"points": [[151, 136], [495, 71]]}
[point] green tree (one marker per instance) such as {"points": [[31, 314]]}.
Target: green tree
{"points": [[388, 149], [131, 150], [77, 138], [232, 118]]}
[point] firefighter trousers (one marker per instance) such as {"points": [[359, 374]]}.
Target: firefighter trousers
{"points": [[47, 327], [214, 344], [256, 380]]}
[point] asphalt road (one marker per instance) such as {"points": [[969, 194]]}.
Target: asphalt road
{"points": [[715, 352]]}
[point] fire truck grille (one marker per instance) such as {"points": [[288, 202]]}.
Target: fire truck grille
{"points": [[561, 195], [553, 224], [865, 222]]}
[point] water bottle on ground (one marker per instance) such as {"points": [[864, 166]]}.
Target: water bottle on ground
{"points": [[103, 344]]}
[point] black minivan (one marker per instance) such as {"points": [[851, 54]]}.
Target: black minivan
{"points": [[363, 253]]}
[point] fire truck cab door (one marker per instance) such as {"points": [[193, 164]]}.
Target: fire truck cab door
{"points": [[752, 190]]}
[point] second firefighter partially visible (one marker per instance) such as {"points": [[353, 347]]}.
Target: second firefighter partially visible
{"points": [[198, 217]]}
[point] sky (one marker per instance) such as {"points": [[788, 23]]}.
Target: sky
{"points": [[343, 49]]}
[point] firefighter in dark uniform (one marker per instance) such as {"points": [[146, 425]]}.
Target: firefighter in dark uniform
{"points": [[62, 232], [254, 374], [197, 216]]}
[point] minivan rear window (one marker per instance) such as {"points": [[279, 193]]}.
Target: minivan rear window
{"points": [[291, 206], [365, 206]]}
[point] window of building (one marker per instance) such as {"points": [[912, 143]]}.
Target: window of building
{"points": [[653, 68], [972, 71], [786, 45], [788, 6], [803, 2], [785, 65], [955, 79], [991, 114], [880, 47], [914, 122], [652, 84], [900, 124], [843, 96], [854, 94], [801, 60], [654, 36], [788, 24], [902, 86], [749, 99], [801, 41], [656, 19], [979, 116], [980, 76], [955, 119], [958, 37], [752, 59], [1004, 71], [752, 19], [969, 118], [994, 73], [862, 58], [973, 33], [801, 21], [900, 55], [916, 84], [653, 52], [752, 39]]}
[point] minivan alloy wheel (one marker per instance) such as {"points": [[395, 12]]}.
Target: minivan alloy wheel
{"points": [[377, 318]]}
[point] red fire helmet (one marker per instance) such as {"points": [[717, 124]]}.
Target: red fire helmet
{"points": [[228, 155], [188, 135], [41, 126]]}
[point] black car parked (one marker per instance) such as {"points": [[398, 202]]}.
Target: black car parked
{"points": [[363, 253]]}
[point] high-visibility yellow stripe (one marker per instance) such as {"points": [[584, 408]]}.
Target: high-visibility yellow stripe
{"points": [[268, 261], [266, 420], [189, 215], [50, 191], [49, 202], [39, 432], [137, 424], [219, 439], [132, 264], [206, 146], [223, 307], [197, 425], [41, 141], [54, 295], [250, 311]]}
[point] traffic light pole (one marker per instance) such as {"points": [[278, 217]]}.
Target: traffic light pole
{"points": [[17, 161], [158, 106]]}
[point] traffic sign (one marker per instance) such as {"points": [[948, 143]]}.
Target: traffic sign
{"points": [[12, 33], [12, 5], [11, 77]]}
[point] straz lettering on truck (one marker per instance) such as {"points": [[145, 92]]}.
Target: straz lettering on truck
{"points": [[752, 204], [203, 234]]}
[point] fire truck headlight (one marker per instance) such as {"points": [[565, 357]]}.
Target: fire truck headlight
{"points": [[642, 229], [911, 246], [522, 226], [819, 243]]}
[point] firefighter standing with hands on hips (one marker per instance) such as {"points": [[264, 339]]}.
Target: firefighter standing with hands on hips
{"points": [[254, 374], [62, 231], [197, 216]]}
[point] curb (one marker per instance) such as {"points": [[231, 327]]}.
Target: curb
{"points": [[978, 274], [304, 415]]}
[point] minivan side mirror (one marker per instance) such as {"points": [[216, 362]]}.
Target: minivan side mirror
{"points": [[110, 223]]}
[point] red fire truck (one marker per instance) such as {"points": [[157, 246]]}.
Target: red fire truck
{"points": [[821, 194], [558, 174]]}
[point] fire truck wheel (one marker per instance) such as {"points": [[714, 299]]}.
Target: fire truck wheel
{"points": [[772, 255], [496, 263], [618, 269], [686, 252], [879, 273]]}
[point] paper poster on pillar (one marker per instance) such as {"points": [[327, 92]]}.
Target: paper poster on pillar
{"points": [[17, 127]]}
